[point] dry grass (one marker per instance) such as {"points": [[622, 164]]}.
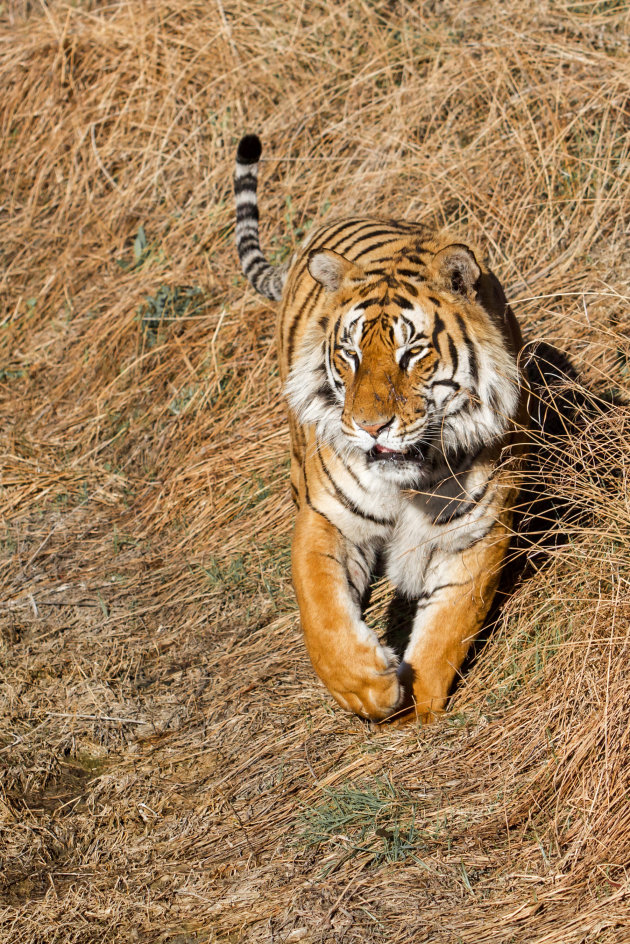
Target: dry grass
{"points": [[170, 768]]}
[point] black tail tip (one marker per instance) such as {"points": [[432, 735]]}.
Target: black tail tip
{"points": [[249, 149]]}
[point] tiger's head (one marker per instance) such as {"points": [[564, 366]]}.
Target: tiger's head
{"points": [[406, 363]]}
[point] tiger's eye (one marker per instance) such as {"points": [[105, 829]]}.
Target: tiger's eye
{"points": [[349, 353]]}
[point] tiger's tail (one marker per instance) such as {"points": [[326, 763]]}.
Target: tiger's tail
{"points": [[267, 279]]}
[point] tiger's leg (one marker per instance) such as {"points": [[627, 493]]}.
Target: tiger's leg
{"points": [[448, 617], [330, 576]]}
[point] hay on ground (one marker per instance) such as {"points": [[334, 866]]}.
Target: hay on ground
{"points": [[170, 768]]}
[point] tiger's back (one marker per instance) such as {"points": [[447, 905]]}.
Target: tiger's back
{"points": [[398, 358]]}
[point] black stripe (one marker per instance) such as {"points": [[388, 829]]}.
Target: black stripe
{"points": [[372, 300], [249, 236], [403, 363], [256, 270], [330, 557], [246, 211], [445, 383], [403, 226], [326, 237], [362, 563], [428, 562], [327, 395], [408, 287], [470, 347], [423, 604], [308, 305], [446, 516], [495, 401], [256, 267], [358, 226], [427, 596], [437, 330], [352, 584], [481, 494], [465, 407], [241, 184], [452, 350], [373, 264], [354, 476], [403, 303], [316, 510], [346, 501], [377, 232], [373, 248], [330, 366], [247, 243]]}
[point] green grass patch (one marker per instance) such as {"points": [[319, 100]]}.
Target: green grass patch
{"points": [[373, 820]]}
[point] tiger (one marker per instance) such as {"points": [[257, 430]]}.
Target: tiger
{"points": [[398, 357]]}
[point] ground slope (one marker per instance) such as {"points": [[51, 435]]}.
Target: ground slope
{"points": [[170, 769]]}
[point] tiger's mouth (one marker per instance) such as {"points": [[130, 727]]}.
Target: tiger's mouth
{"points": [[383, 454]]}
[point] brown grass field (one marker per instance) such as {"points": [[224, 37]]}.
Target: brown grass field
{"points": [[170, 768]]}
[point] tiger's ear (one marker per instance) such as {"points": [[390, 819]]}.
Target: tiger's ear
{"points": [[330, 269], [456, 268]]}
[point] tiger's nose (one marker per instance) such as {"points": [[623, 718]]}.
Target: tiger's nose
{"points": [[375, 429]]}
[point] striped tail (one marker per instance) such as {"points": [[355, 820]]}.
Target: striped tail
{"points": [[267, 279]]}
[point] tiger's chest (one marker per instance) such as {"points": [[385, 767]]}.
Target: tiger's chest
{"points": [[430, 530], [415, 530]]}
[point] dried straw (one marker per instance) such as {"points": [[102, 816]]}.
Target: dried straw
{"points": [[170, 768]]}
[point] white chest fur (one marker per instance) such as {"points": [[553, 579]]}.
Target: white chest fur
{"points": [[433, 526], [417, 530]]}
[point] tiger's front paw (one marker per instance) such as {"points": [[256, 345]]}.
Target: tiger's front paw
{"points": [[369, 686], [420, 701]]}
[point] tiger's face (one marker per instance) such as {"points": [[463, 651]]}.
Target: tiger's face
{"points": [[382, 355], [405, 371]]}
